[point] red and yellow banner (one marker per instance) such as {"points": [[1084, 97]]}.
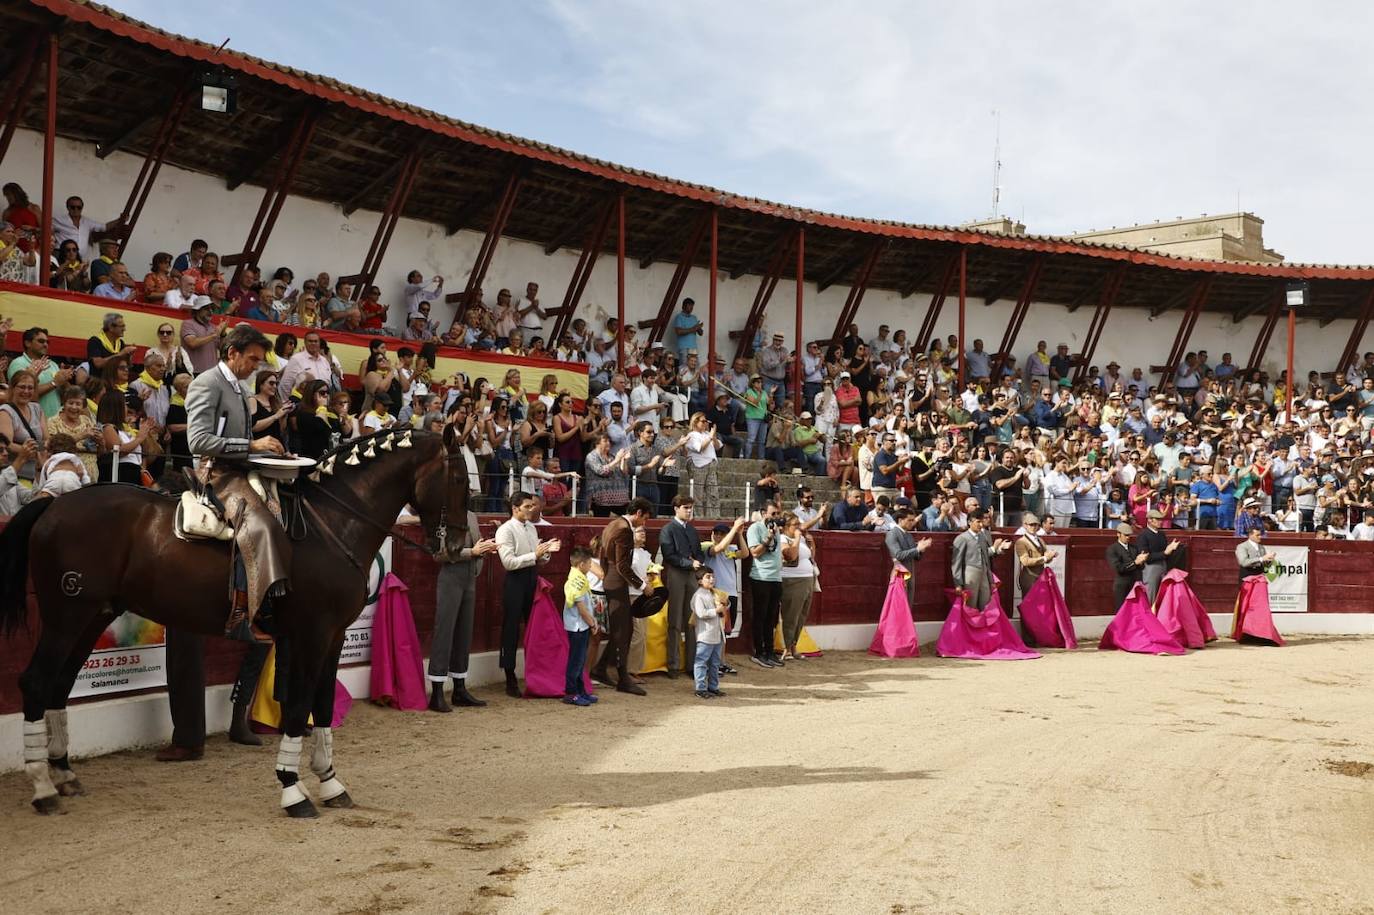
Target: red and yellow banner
{"points": [[72, 319]]}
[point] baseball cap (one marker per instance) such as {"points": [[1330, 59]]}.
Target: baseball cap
{"points": [[806, 414], [721, 529], [844, 374]]}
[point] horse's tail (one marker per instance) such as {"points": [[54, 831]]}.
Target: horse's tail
{"points": [[14, 565]]}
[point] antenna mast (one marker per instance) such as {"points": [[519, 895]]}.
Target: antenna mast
{"points": [[997, 164]]}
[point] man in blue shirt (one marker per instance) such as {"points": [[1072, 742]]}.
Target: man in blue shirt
{"points": [[849, 513], [977, 362], [688, 329], [1249, 519], [765, 583], [1206, 497]]}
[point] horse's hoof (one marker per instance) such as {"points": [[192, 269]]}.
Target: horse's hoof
{"points": [[343, 801], [302, 810], [47, 805], [72, 788]]}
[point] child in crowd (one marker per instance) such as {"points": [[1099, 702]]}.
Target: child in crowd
{"points": [[710, 610], [580, 624]]}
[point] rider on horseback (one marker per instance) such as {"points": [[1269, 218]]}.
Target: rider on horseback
{"points": [[220, 430]]}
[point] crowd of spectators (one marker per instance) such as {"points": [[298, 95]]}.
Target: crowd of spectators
{"points": [[1210, 447]]}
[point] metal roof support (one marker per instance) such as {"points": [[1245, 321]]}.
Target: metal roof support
{"points": [[20, 80], [714, 267], [1196, 299], [1352, 345], [49, 141], [1266, 331], [152, 164], [275, 194], [489, 241], [798, 338], [591, 250], [391, 214], [767, 283], [1111, 288], [620, 281], [937, 303], [1018, 315], [659, 324], [856, 291], [963, 304]]}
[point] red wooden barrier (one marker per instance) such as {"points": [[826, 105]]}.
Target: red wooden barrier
{"points": [[854, 575]]}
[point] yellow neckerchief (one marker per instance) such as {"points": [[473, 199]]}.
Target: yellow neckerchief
{"points": [[112, 346], [92, 405], [325, 413], [178, 400], [296, 392], [106, 259], [415, 419], [1043, 357], [122, 388], [149, 380], [379, 416], [272, 358], [129, 429]]}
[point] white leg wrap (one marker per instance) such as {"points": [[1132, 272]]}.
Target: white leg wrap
{"points": [[322, 758], [289, 754], [292, 795], [56, 720], [331, 788], [36, 759]]}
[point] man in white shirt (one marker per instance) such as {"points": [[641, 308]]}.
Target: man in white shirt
{"points": [[310, 359], [646, 402], [72, 226], [531, 315], [183, 296], [616, 393], [521, 552], [417, 291]]}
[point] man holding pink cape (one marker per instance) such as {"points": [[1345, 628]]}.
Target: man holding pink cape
{"points": [[896, 633]]}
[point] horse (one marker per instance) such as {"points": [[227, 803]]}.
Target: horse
{"points": [[347, 507]]}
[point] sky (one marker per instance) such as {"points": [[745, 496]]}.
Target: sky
{"points": [[1110, 113]]}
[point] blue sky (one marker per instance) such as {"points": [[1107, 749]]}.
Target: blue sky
{"points": [[1111, 113]]}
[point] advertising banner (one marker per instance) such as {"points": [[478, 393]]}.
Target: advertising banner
{"points": [[357, 647], [131, 654], [1287, 576]]}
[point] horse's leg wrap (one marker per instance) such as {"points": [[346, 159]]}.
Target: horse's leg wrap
{"points": [[288, 771], [36, 766], [322, 764], [62, 775]]}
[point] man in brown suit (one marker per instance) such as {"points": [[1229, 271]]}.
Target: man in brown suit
{"points": [[617, 551], [1032, 554]]}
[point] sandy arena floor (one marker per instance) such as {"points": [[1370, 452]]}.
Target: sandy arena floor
{"points": [[1232, 780]]}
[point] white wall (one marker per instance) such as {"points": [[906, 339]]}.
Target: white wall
{"points": [[312, 236]]}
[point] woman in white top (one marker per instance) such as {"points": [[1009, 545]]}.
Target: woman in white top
{"points": [[23, 425], [496, 432], [827, 408], [798, 583], [704, 485], [121, 440]]}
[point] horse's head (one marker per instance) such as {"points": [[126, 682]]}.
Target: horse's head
{"points": [[440, 489]]}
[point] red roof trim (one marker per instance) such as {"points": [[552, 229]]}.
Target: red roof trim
{"points": [[98, 17]]}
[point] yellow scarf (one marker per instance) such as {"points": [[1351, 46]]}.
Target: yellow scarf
{"points": [[178, 400], [379, 416], [122, 388], [325, 413], [112, 346], [272, 358], [1043, 357], [129, 429], [149, 380], [92, 406]]}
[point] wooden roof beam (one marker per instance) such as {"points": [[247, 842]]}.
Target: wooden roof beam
{"points": [[264, 150], [851, 263], [1000, 288], [766, 253], [1173, 301], [376, 184]]}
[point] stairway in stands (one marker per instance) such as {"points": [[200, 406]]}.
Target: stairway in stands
{"points": [[737, 474]]}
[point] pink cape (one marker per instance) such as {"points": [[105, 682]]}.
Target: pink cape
{"points": [[1253, 616], [896, 635], [546, 648], [1045, 616], [1181, 613], [981, 635], [398, 670], [1134, 628]]}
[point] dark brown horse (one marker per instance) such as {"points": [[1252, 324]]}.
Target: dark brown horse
{"points": [[136, 565]]}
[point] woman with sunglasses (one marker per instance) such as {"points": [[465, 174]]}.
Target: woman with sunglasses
{"points": [[269, 410], [69, 270], [306, 313], [496, 432], [318, 428], [173, 354]]}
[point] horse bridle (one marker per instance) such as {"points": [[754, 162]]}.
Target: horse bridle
{"points": [[440, 529]]}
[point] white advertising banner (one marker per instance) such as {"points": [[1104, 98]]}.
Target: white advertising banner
{"points": [[357, 647], [1287, 576], [130, 654]]}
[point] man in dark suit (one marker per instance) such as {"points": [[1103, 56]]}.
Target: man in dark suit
{"points": [[1151, 541], [617, 551], [682, 556], [1126, 562]]}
